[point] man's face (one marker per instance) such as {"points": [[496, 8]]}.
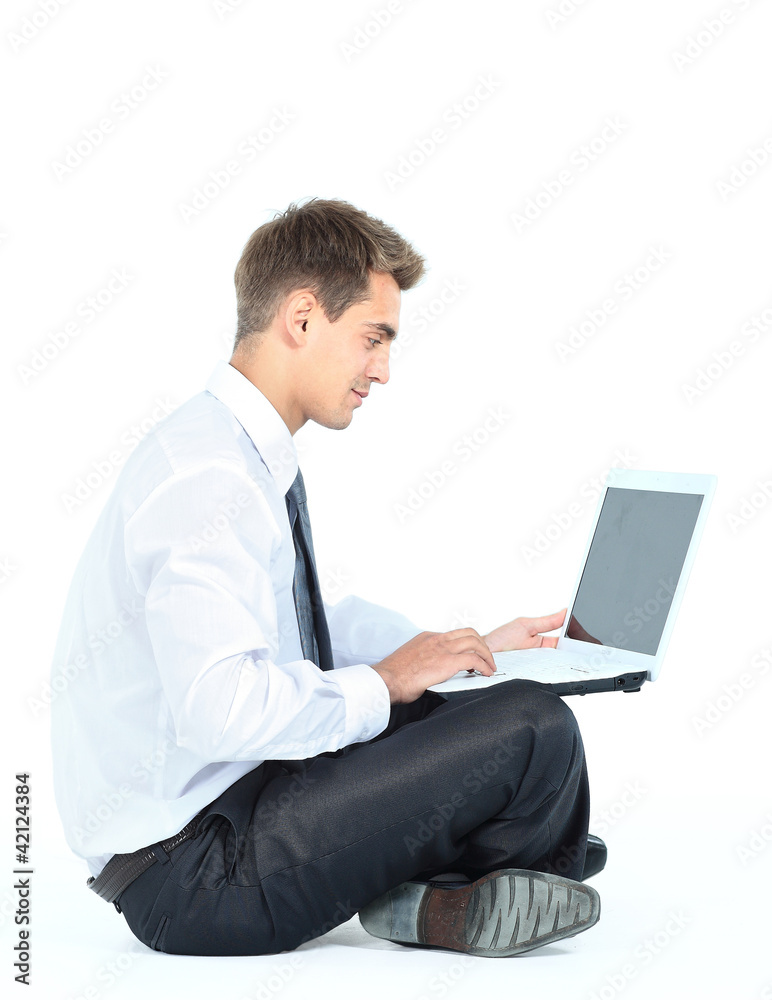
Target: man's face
{"points": [[343, 359]]}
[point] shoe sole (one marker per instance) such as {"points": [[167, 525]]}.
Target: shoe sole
{"points": [[504, 913]]}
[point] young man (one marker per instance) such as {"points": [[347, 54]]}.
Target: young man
{"points": [[244, 768]]}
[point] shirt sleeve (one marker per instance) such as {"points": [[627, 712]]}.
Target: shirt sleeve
{"points": [[200, 551], [362, 632]]}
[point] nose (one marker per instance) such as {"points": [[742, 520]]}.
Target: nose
{"points": [[378, 369]]}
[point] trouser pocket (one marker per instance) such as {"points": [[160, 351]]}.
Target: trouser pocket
{"points": [[158, 939]]}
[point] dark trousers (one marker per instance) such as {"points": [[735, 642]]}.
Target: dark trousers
{"points": [[294, 848]]}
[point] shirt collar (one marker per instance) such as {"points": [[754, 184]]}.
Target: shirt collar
{"points": [[260, 420]]}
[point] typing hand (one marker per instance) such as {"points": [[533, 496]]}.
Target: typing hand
{"points": [[431, 657]]}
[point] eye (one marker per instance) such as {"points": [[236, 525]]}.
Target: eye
{"points": [[373, 341]]}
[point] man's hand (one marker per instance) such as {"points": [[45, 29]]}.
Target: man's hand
{"points": [[432, 657], [525, 633]]}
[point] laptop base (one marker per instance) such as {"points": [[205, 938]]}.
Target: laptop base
{"points": [[620, 682]]}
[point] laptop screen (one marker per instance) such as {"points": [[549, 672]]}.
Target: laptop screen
{"points": [[632, 569]]}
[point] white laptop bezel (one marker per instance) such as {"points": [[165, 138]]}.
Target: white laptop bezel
{"points": [[637, 479]]}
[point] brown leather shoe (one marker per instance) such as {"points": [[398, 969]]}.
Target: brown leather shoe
{"points": [[504, 913]]}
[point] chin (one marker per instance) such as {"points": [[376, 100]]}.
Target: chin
{"points": [[334, 421]]}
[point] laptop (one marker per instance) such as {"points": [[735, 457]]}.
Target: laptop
{"points": [[641, 548]]}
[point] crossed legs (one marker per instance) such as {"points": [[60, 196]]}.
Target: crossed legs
{"points": [[481, 782]]}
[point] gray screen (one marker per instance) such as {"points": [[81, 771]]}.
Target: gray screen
{"points": [[635, 560]]}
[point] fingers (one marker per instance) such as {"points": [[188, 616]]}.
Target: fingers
{"points": [[470, 648], [546, 623]]}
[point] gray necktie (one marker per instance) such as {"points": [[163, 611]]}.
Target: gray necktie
{"points": [[312, 622]]}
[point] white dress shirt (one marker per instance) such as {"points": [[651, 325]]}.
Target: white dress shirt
{"points": [[178, 667]]}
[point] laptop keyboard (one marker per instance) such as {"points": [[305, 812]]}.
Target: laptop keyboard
{"points": [[550, 666], [515, 659]]}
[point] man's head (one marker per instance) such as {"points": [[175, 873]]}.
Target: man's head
{"points": [[318, 296]]}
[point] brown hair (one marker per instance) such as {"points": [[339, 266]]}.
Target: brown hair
{"points": [[327, 246]]}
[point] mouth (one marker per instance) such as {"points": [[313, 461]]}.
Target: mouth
{"points": [[360, 395]]}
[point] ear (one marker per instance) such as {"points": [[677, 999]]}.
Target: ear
{"points": [[297, 312]]}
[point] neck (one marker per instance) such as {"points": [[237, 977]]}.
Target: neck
{"points": [[266, 373]]}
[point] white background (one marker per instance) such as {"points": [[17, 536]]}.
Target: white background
{"points": [[679, 772]]}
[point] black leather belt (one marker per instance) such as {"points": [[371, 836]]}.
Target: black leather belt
{"points": [[121, 870]]}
